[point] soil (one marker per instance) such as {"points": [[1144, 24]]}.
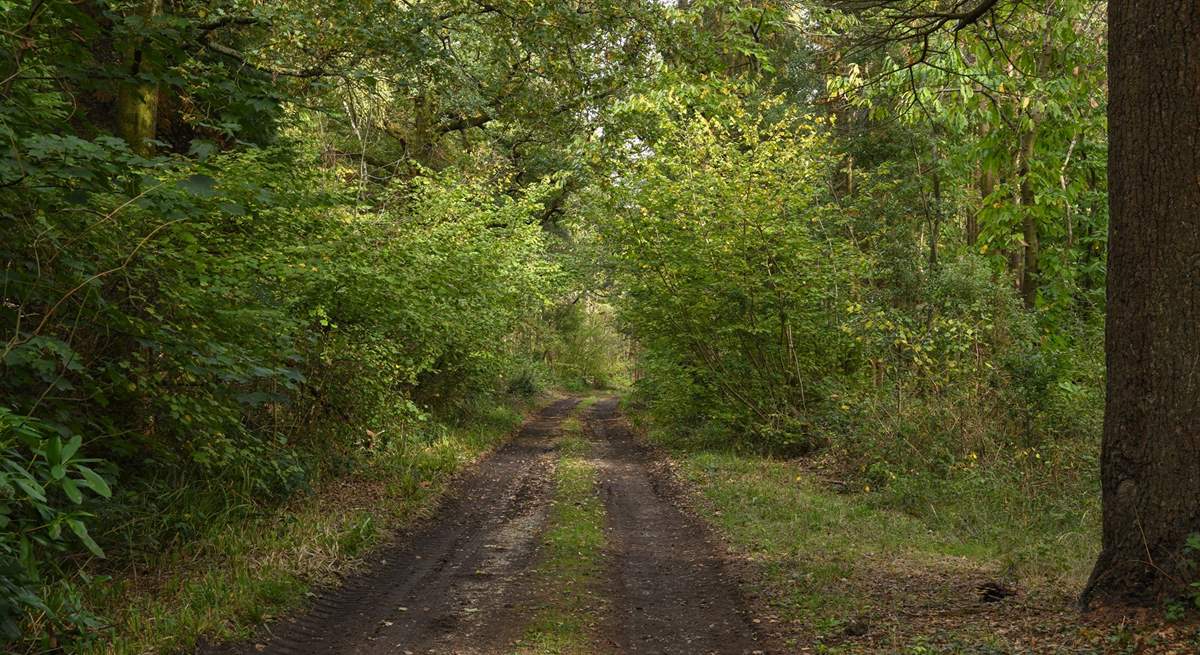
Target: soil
{"points": [[460, 582]]}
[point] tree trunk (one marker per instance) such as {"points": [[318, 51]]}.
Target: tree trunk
{"points": [[1029, 227], [987, 184], [935, 214], [137, 99], [1150, 458], [850, 175]]}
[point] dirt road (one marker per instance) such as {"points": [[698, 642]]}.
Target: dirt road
{"points": [[461, 581], [671, 590]]}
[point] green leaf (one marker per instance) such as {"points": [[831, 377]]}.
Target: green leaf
{"points": [[32, 488], [71, 488], [93, 480], [199, 185], [58, 471], [54, 450], [81, 531], [201, 149], [1193, 542], [71, 448]]}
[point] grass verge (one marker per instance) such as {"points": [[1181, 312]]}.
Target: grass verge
{"points": [[572, 568], [237, 574], [848, 572]]}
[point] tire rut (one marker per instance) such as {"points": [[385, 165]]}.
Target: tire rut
{"points": [[453, 583], [462, 581], [670, 588]]}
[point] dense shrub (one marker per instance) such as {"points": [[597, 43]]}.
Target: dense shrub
{"points": [[237, 321], [732, 285], [770, 312]]}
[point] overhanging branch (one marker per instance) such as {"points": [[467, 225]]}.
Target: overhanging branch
{"points": [[915, 20]]}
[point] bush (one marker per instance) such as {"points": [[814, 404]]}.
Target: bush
{"points": [[47, 487], [233, 328], [734, 290]]}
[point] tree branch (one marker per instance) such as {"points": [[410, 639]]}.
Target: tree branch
{"points": [[907, 20], [315, 71]]}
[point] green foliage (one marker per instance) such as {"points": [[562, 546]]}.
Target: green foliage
{"points": [[46, 489], [352, 224], [230, 317], [1017, 77], [1178, 608], [799, 284], [582, 348], [225, 319], [794, 282], [732, 283]]}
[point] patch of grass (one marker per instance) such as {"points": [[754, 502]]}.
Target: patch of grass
{"points": [[1037, 520], [238, 573], [573, 554], [832, 562], [847, 568], [810, 539]]}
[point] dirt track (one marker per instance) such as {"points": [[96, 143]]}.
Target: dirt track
{"points": [[458, 582], [670, 587]]}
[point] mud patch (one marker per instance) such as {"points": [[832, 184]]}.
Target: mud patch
{"points": [[465, 581]]}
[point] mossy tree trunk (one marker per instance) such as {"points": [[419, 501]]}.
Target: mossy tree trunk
{"points": [[137, 97]]}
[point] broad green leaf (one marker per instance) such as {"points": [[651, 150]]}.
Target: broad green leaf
{"points": [[81, 531], [54, 451], [199, 185], [71, 448], [32, 488], [71, 488], [93, 480]]}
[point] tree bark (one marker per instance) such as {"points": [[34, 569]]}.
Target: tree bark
{"points": [[137, 99], [1029, 228], [1150, 459], [987, 184]]}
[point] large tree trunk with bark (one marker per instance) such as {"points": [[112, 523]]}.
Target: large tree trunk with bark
{"points": [[1150, 462]]}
